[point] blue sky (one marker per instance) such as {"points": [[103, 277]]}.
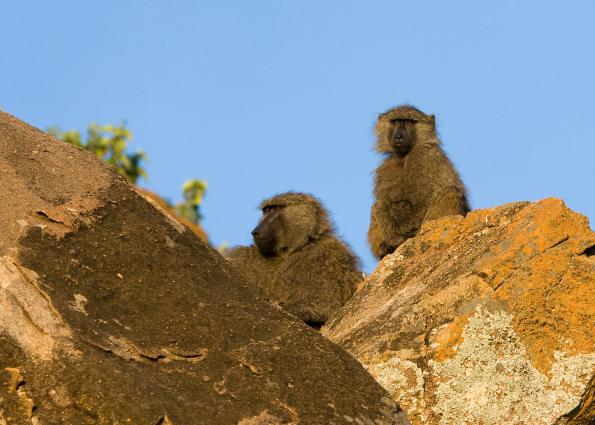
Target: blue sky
{"points": [[262, 97]]}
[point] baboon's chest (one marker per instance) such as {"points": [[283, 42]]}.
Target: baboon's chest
{"points": [[405, 189]]}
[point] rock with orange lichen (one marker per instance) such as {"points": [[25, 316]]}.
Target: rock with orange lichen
{"points": [[487, 319]]}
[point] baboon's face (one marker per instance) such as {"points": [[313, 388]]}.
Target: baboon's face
{"points": [[401, 135], [267, 233], [401, 129], [284, 228]]}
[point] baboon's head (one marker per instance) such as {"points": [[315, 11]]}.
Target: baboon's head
{"points": [[290, 221], [400, 129]]}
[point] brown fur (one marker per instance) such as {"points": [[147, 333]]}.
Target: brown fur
{"points": [[312, 272], [410, 189]]}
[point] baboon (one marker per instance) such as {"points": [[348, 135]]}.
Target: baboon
{"points": [[297, 260], [415, 182]]}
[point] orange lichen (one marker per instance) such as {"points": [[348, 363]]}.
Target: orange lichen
{"points": [[495, 311], [448, 337]]}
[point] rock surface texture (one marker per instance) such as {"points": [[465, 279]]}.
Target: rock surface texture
{"points": [[487, 319], [162, 203], [113, 313]]}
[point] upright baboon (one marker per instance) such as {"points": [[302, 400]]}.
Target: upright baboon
{"points": [[414, 183], [297, 259]]}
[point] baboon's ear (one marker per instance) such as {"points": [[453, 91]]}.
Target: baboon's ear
{"points": [[301, 226]]}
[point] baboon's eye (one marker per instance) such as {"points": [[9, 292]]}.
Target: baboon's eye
{"points": [[409, 122], [270, 208]]}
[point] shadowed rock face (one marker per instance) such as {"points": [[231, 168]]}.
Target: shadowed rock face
{"points": [[111, 312], [483, 319]]}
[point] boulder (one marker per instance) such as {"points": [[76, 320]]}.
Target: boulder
{"points": [[487, 319], [111, 312]]}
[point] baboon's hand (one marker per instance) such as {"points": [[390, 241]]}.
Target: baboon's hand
{"points": [[389, 246]]}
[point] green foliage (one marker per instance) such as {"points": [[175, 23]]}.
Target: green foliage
{"points": [[109, 143], [194, 192]]}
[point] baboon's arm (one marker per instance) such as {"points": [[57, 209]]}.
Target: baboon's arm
{"points": [[451, 201]]}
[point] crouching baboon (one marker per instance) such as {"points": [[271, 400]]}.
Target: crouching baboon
{"points": [[297, 259], [414, 183]]}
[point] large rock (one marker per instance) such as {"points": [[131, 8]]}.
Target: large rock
{"points": [[487, 319], [113, 313]]}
